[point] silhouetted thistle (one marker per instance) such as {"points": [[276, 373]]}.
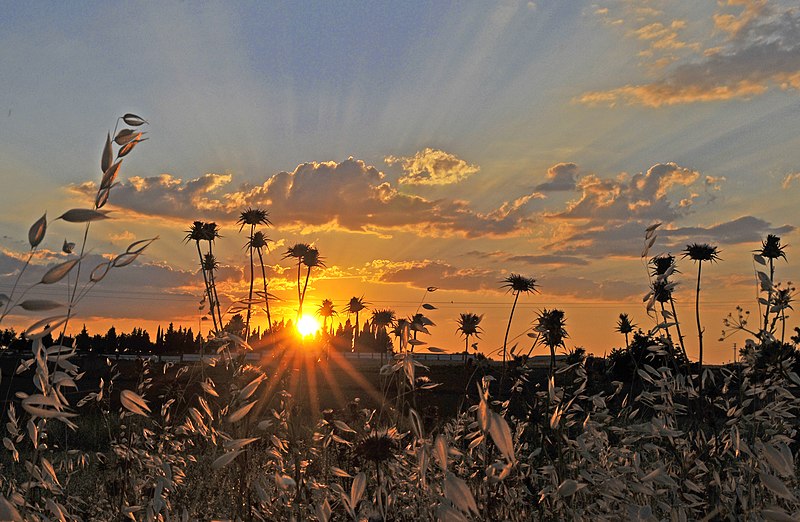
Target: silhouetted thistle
{"points": [[326, 310], [381, 320], [354, 306], [400, 326], [252, 217], [771, 249], [468, 326], [310, 259], [297, 251], [781, 302], [258, 242], [663, 267], [550, 325], [625, 326], [516, 284], [197, 233], [210, 232], [700, 252]]}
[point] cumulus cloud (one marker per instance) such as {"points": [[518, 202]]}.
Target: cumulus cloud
{"points": [[349, 195], [166, 195], [560, 177], [761, 50], [432, 167], [645, 196]]}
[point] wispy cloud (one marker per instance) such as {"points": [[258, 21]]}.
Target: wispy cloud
{"points": [[760, 51], [422, 274], [547, 259], [790, 179], [626, 239]]}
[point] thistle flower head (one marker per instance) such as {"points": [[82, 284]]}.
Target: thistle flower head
{"points": [[662, 291], [469, 324], [311, 258], [701, 252], [400, 325], [355, 305], [210, 231], [258, 241], [326, 309], [210, 263], [379, 446], [518, 284], [195, 232], [551, 325], [771, 248], [383, 318], [662, 263], [297, 250], [625, 325], [782, 300], [253, 217]]}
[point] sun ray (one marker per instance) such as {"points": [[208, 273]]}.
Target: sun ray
{"points": [[313, 392], [357, 376]]}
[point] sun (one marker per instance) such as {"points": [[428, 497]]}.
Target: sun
{"points": [[307, 325]]}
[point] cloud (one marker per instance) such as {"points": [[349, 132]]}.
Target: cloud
{"points": [[662, 36], [143, 289], [790, 179], [422, 274], [548, 259], [713, 184], [432, 167], [761, 52], [122, 237], [589, 288], [745, 229], [626, 239], [645, 196], [560, 177], [168, 196], [349, 195]]}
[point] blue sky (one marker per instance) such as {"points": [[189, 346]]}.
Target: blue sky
{"points": [[461, 119]]}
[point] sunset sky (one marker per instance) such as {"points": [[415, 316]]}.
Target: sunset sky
{"points": [[416, 144]]}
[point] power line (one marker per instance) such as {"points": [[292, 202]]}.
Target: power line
{"points": [[140, 295]]}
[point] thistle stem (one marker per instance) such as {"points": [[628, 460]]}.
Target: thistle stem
{"points": [[266, 295], [508, 328]]}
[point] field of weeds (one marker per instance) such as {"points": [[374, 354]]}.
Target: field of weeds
{"points": [[644, 435]]}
